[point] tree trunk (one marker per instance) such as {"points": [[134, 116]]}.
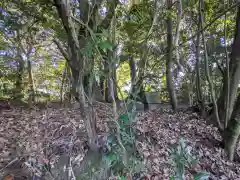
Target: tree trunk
{"points": [[231, 133], [230, 136], [110, 69], [207, 71], [76, 63], [31, 83], [64, 77], [132, 65], [227, 75], [169, 60], [76, 42], [18, 94], [198, 72]]}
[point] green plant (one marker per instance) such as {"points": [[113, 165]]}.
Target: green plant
{"points": [[113, 158], [182, 158]]}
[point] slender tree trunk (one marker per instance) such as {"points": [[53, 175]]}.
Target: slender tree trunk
{"points": [[63, 82], [112, 76], [207, 71], [177, 34], [132, 65], [227, 76], [31, 83], [198, 72], [18, 94], [169, 60]]}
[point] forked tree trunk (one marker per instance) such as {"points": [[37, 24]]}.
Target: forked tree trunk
{"points": [[169, 60], [77, 41], [77, 67], [231, 133]]}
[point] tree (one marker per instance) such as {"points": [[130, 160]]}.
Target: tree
{"points": [[232, 131], [77, 40], [169, 60]]}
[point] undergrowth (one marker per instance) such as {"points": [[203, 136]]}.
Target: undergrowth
{"points": [[183, 159]]}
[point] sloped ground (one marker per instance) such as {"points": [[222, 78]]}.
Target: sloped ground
{"points": [[29, 139], [164, 129]]}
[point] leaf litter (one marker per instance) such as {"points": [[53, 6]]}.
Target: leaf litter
{"points": [[30, 139]]}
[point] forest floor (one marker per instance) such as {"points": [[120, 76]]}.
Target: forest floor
{"points": [[29, 138]]}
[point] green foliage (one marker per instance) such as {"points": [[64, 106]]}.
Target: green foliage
{"points": [[182, 159], [114, 157]]}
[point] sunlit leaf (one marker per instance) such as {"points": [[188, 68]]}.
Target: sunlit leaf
{"points": [[105, 45]]}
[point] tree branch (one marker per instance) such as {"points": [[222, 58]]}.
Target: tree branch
{"points": [[221, 13], [61, 49]]}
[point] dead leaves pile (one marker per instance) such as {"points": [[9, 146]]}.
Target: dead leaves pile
{"points": [[161, 130], [40, 136], [34, 138]]}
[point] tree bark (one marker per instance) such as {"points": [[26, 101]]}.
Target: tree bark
{"points": [[227, 75], [77, 66], [207, 71], [231, 133], [76, 41], [234, 74], [132, 65], [198, 72], [169, 60], [31, 83], [64, 77], [18, 94]]}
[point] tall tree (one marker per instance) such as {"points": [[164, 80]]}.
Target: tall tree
{"points": [[169, 60], [78, 31]]}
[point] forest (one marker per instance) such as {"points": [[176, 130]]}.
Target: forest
{"points": [[119, 89]]}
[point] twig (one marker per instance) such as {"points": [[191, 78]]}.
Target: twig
{"points": [[10, 163]]}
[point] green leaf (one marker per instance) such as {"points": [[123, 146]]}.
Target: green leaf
{"points": [[121, 178], [124, 118], [105, 45], [110, 139], [110, 158], [202, 176]]}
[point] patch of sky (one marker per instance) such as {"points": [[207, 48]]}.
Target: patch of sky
{"points": [[123, 1], [103, 11], [77, 12], [3, 12], [54, 63], [127, 86]]}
